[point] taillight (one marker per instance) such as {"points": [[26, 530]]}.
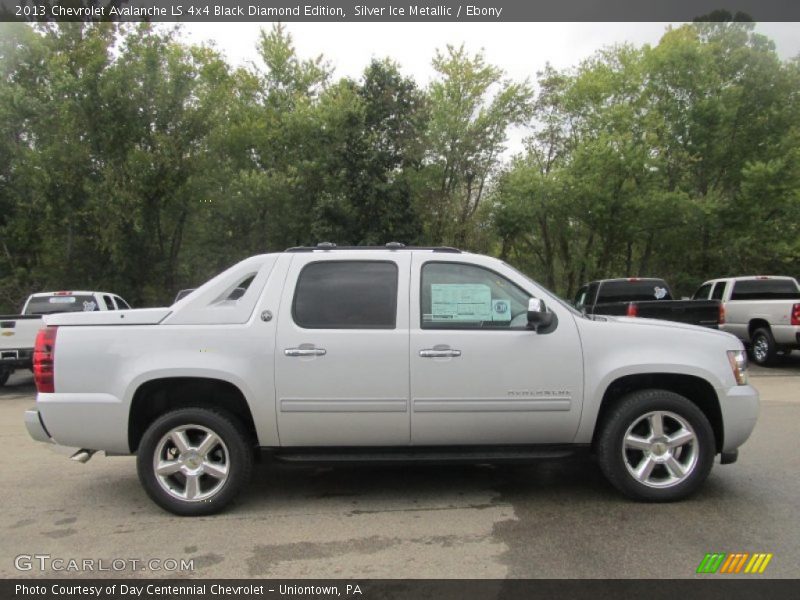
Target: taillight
{"points": [[721, 314], [796, 314], [633, 310], [44, 360]]}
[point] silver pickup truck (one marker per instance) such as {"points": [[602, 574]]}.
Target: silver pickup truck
{"points": [[762, 311], [18, 332], [386, 354]]}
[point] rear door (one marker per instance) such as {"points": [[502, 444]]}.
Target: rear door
{"points": [[341, 361]]}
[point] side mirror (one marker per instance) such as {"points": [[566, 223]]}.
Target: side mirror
{"points": [[538, 315]]}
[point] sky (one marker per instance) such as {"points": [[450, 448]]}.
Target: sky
{"points": [[521, 49]]}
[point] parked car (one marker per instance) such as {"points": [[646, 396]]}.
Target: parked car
{"points": [[386, 354], [645, 297], [18, 332], [762, 311]]}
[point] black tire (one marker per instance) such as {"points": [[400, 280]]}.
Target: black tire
{"points": [[236, 449], [763, 349], [5, 373], [630, 410]]}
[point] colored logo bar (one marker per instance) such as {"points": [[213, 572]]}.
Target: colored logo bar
{"points": [[733, 563]]}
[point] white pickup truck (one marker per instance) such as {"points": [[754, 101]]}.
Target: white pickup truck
{"points": [[18, 332], [762, 311], [386, 354]]}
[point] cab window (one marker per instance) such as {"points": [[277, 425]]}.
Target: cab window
{"points": [[461, 296], [346, 295]]}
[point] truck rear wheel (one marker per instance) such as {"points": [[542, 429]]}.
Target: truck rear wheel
{"points": [[194, 461], [656, 446], [5, 373], [762, 346]]}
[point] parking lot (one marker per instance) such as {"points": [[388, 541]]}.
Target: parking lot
{"points": [[552, 519]]}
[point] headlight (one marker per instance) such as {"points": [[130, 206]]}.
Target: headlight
{"points": [[738, 360]]}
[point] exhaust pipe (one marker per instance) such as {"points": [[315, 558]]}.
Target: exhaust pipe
{"points": [[83, 456]]}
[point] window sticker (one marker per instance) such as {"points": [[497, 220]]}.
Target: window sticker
{"points": [[461, 302], [659, 292], [61, 299], [501, 310], [89, 306]]}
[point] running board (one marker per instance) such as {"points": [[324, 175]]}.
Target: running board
{"points": [[426, 455]]}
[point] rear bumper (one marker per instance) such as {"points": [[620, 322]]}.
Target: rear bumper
{"points": [[92, 420], [740, 406], [786, 335], [35, 427]]}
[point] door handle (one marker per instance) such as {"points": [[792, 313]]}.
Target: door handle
{"points": [[439, 353], [305, 352]]}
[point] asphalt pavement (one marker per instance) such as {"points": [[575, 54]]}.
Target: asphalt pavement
{"points": [[551, 519]]}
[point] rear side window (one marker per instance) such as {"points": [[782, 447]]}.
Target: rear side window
{"points": [[765, 289], [109, 303], [702, 292], [121, 303], [48, 305], [719, 290], [633, 291], [346, 295]]}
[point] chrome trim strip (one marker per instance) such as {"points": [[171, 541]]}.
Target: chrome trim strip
{"points": [[447, 405], [335, 405]]}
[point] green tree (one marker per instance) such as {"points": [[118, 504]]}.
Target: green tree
{"points": [[472, 106]]}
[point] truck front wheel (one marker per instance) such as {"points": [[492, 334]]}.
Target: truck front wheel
{"points": [[194, 461], [656, 446]]}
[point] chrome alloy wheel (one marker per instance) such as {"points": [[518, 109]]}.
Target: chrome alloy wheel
{"points": [[660, 449], [760, 348], [191, 463]]}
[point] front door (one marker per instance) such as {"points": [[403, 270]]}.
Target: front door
{"points": [[478, 374], [341, 360]]}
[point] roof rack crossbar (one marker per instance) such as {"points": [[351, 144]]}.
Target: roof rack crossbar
{"points": [[390, 246]]}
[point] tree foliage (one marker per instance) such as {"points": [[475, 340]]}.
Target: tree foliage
{"points": [[677, 160], [134, 162]]}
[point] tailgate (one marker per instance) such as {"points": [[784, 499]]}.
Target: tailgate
{"points": [[19, 331], [693, 312]]}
